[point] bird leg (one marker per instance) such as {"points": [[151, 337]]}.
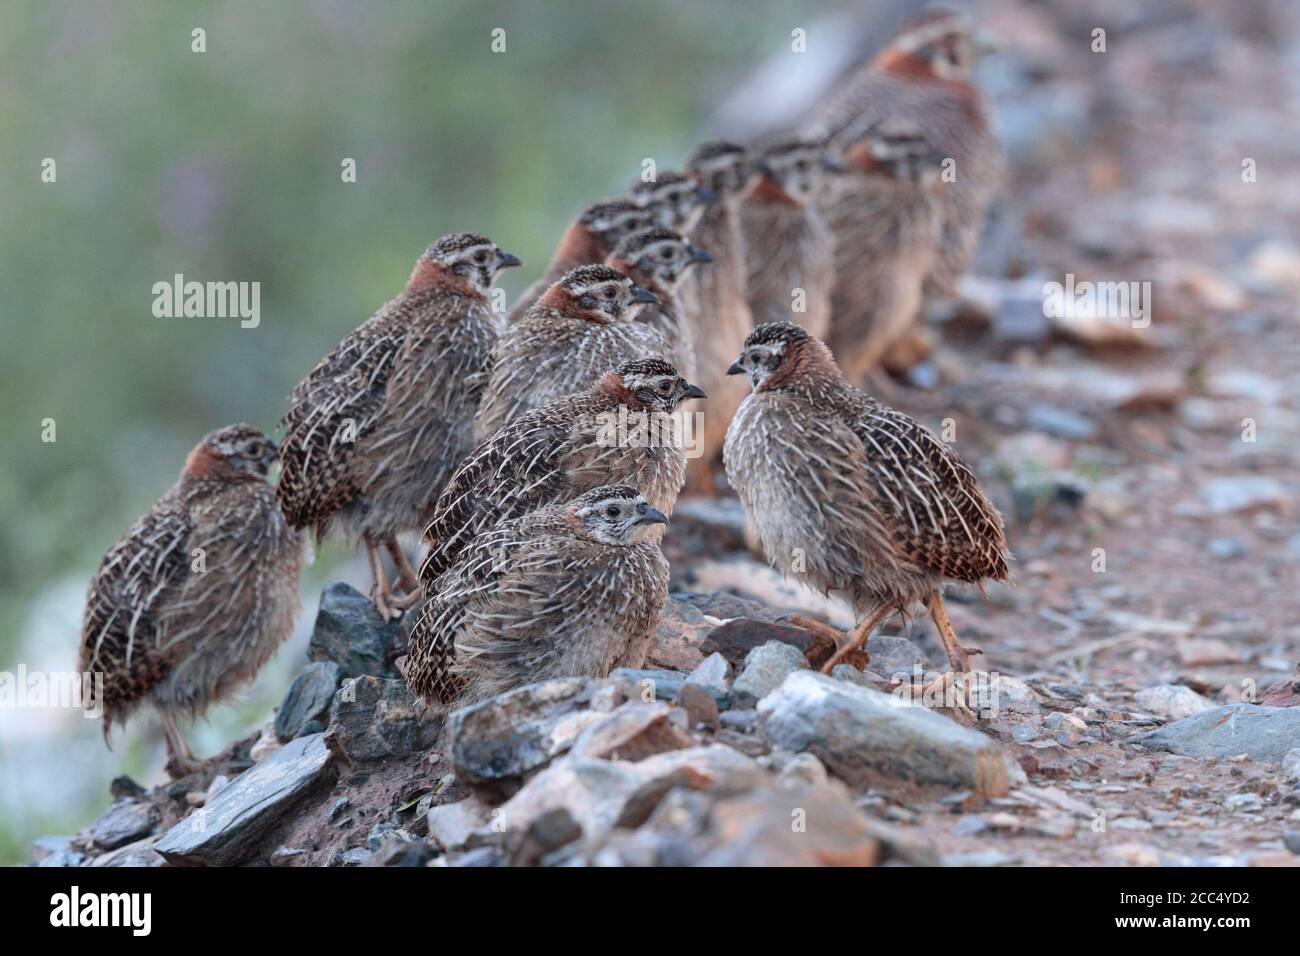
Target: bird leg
{"points": [[180, 759], [406, 574], [859, 636], [379, 592], [958, 658]]}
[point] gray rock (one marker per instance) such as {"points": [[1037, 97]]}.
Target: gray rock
{"points": [[1060, 422], [308, 699], [1241, 493], [47, 845], [1291, 840], [739, 638], [138, 854], [1291, 764], [895, 655], [350, 632], [766, 667], [451, 824], [519, 732], [1171, 700], [62, 858], [400, 850], [1226, 548], [713, 674], [126, 822], [593, 792], [1244, 803], [228, 830], [757, 829], [373, 718], [850, 674], [856, 731], [741, 720], [482, 856], [1261, 733], [631, 732]]}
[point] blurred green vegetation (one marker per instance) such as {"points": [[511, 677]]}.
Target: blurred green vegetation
{"points": [[225, 165]]}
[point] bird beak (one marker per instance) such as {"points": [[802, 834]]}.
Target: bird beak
{"points": [[644, 295], [272, 454], [705, 194], [506, 261], [700, 255], [651, 515], [694, 391], [736, 368]]}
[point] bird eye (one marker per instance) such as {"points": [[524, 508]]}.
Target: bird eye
{"points": [[666, 253], [609, 292], [665, 386], [480, 257], [613, 511]]}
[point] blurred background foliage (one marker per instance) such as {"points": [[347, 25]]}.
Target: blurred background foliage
{"points": [[225, 165]]}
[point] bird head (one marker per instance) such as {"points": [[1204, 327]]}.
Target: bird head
{"points": [[658, 252], [939, 44], [473, 258], [597, 293], [798, 167], [614, 514], [676, 200], [656, 384], [898, 150], [610, 221], [236, 452], [723, 167], [772, 348]]}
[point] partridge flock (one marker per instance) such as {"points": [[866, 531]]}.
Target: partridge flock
{"points": [[541, 452]]}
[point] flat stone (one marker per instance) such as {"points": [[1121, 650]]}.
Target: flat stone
{"points": [[593, 792], [648, 684], [716, 769], [1261, 733], [228, 830], [350, 632], [1060, 422], [804, 825], [766, 667], [1171, 700], [451, 824], [373, 718], [519, 732], [700, 706], [138, 854], [895, 655], [631, 732], [676, 643], [308, 699], [857, 731], [1242, 493], [126, 822], [713, 674], [735, 640]]}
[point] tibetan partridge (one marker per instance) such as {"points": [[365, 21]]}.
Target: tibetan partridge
{"points": [[588, 240], [377, 428], [713, 299], [571, 589], [789, 249], [858, 497], [656, 260], [581, 328], [617, 432], [198, 593]]}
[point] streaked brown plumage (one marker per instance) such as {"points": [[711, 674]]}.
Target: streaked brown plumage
{"points": [[878, 297], [657, 260], [564, 448], [198, 593], [581, 328], [789, 249], [590, 238], [380, 424], [922, 77], [571, 589], [852, 495], [675, 199], [713, 299]]}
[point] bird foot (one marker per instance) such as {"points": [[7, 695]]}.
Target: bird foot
{"points": [[182, 766], [942, 693]]}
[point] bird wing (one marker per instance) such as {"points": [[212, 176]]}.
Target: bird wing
{"points": [[332, 410], [138, 576], [941, 518]]}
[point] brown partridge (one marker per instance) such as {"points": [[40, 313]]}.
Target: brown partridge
{"points": [[924, 76], [675, 199], [856, 497], [572, 589], [382, 421], [195, 597], [616, 432], [581, 328], [713, 299], [789, 249], [588, 240], [891, 168], [656, 260]]}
